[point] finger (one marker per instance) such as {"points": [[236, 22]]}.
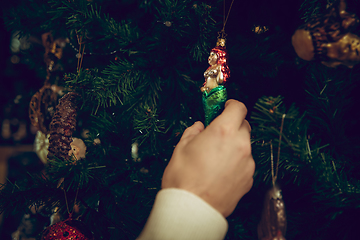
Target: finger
{"points": [[192, 131], [244, 138], [246, 125], [233, 115]]}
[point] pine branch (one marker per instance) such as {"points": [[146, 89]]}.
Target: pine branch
{"points": [[29, 18], [310, 8], [97, 91], [147, 123], [329, 92], [294, 153]]}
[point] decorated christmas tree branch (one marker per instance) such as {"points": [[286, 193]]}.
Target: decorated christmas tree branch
{"points": [[330, 95], [80, 15], [333, 187], [147, 123], [297, 158], [265, 136], [96, 90], [29, 18], [20, 196], [204, 27]]}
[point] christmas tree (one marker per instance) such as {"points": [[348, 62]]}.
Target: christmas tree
{"points": [[121, 82]]}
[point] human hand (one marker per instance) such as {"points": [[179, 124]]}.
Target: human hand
{"points": [[215, 163]]}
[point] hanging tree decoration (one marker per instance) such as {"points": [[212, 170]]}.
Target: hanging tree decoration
{"points": [[68, 229], [329, 38], [273, 221], [41, 145], [61, 143], [62, 126], [42, 107], [53, 50], [216, 75], [63, 146], [78, 149], [71, 228], [42, 103]]}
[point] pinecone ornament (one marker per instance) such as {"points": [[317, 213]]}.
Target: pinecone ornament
{"points": [[62, 126]]}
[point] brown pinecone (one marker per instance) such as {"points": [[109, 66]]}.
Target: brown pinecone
{"points": [[62, 126]]}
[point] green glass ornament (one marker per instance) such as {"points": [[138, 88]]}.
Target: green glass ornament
{"points": [[216, 75], [213, 103]]}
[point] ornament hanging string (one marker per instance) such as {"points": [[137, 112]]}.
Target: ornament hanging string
{"points": [[275, 175], [81, 52], [68, 229], [222, 33], [213, 90], [79, 64], [273, 221], [67, 205]]}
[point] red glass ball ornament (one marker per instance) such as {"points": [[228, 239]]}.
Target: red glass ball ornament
{"points": [[66, 230]]}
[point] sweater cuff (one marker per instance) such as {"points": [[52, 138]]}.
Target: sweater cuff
{"points": [[178, 214]]}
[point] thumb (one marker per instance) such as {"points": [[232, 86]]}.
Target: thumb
{"points": [[192, 131]]}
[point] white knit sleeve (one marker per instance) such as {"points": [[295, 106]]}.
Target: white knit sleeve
{"points": [[181, 215]]}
